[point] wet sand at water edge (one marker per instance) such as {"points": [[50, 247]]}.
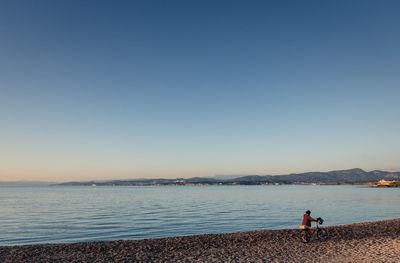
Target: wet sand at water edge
{"points": [[363, 242]]}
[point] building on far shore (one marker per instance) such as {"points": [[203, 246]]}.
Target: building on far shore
{"points": [[385, 183]]}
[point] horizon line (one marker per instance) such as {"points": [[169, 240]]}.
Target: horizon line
{"points": [[216, 175]]}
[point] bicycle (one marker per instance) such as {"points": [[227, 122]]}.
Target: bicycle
{"points": [[317, 233]]}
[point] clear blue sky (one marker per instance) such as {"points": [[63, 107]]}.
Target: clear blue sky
{"points": [[133, 89]]}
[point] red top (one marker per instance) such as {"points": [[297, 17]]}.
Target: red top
{"points": [[307, 219]]}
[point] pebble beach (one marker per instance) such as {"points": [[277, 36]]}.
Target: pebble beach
{"points": [[377, 241]]}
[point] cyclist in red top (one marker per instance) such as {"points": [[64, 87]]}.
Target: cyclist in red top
{"points": [[307, 219]]}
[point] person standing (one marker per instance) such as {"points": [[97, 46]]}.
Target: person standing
{"points": [[307, 219]]}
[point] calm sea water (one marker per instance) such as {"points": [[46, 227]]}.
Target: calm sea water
{"points": [[74, 214]]}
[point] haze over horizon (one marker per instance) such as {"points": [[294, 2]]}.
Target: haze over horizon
{"points": [[98, 90]]}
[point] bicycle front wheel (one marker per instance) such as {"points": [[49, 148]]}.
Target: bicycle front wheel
{"points": [[322, 235]]}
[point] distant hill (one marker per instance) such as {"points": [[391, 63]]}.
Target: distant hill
{"points": [[227, 176], [332, 177], [341, 176]]}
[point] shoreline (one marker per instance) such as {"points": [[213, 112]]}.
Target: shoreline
{"points": [[377, 241]]}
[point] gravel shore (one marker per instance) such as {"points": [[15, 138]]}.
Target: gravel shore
{"points": [[364, 242]]}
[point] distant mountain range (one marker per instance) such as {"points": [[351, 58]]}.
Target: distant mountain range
{"points": [[351, 176]]}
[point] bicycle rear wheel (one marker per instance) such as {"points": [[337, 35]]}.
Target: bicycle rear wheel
{"points": [[305, 236], [322, 235]]}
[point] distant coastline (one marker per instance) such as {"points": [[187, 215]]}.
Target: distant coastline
{"points": [[376, 178], [340, 177], [25, 183]]}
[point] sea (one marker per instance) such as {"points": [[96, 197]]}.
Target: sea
{"points": [[69, 214]]}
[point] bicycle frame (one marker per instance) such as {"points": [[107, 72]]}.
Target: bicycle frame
{"points": [[313, 233], [314, 230]]}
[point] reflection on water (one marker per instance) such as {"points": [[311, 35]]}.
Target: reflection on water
{"points": [[74, 214]]}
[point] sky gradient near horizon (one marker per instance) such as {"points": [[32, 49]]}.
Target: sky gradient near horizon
{"points": [[134, 89]]}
